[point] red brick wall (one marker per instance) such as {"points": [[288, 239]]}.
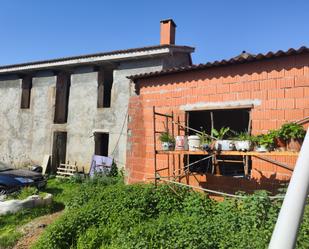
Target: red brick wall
{"points": [[281, 84]]}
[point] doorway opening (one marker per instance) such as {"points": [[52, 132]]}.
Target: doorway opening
{"points": [[59, 149], [101, 141]]}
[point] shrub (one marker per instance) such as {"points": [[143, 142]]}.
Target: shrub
{"points": [[142, 216], [291, 130]]}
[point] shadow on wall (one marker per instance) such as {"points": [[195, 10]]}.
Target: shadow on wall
{"points": [[231, 185]]}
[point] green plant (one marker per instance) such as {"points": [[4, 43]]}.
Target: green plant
{"points": [[220, 134], [291, 131], [24, 193], [166, 137], [10, 223], [114, 170], [266, 140], [204, 137], [142, 216], [242, 136], [274, 133]]}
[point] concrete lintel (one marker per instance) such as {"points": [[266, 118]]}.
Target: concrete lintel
{"points": [[250, 103], [100, 131]]}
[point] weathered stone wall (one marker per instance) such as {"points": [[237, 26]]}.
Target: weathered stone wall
{"points": [[42, 108], [26, 135]]}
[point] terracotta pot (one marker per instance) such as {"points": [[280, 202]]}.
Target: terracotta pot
{"points": [[280, 144], [294, 144]]}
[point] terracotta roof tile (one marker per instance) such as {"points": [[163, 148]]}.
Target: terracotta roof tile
{"points": [[242, 58]]}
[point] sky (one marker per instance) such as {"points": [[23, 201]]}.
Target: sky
{"points": [[33, 30]]}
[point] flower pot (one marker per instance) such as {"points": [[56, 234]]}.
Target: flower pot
{"points": [[194, 143], [280, 144], [243, 145], [181, 143], [167, 146], [294, 144], [224, 145], [206, 147], [262, 148]]}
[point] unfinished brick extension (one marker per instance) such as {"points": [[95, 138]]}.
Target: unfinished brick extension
{"points": [[279, 87]]}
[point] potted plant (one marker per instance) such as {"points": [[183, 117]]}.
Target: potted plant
{"points": [[264, 142], [221, 143], [167, 141], [243, 141], [293, 134], [279, 142], [205, 141]]}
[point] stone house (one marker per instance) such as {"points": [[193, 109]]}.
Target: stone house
{"points": [[71, 108], [258, 91]]}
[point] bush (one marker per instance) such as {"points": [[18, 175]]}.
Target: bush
{"points": [[142, 216], [292, 130]]}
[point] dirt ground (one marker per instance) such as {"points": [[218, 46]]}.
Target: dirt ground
{"points": [[32, 230]]}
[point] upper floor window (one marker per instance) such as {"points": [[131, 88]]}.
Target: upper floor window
{"points": [[62, 98], [26, 92], [105, 82]]}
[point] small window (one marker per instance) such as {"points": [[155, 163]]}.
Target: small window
{"points": [[62, 98], [101, 143], [26, 92], [105, 82]]}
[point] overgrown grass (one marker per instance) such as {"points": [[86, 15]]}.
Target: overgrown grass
{"points": [[62, 192], [24, 193], [105, 213], [108, 214]]}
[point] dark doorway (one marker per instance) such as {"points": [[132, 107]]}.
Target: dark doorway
{"points": [[59, 149], [101, 144], [236, 119]]}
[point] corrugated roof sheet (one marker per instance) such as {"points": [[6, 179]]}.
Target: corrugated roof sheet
{"points": [[132, 50], [235, 60]]}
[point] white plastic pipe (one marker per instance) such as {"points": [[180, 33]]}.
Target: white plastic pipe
{"points": [[291, 213]]}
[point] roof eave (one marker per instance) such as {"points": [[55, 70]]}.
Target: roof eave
{"points": [[95, 59]]}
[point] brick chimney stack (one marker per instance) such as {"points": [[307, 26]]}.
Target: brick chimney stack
{"points": [[167, 32]]}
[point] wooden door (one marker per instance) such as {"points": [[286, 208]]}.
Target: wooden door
{"points": [[59, 149]]}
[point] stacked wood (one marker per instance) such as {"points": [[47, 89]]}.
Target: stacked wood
{"points": [[66, 170]]}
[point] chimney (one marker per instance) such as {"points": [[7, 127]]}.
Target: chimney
{"points": [[167, 32]]}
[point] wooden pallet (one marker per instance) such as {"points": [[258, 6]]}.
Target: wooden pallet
{"points": [[66, 170]]}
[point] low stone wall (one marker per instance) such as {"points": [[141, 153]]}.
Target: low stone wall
{"points": [[13, 206]]}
